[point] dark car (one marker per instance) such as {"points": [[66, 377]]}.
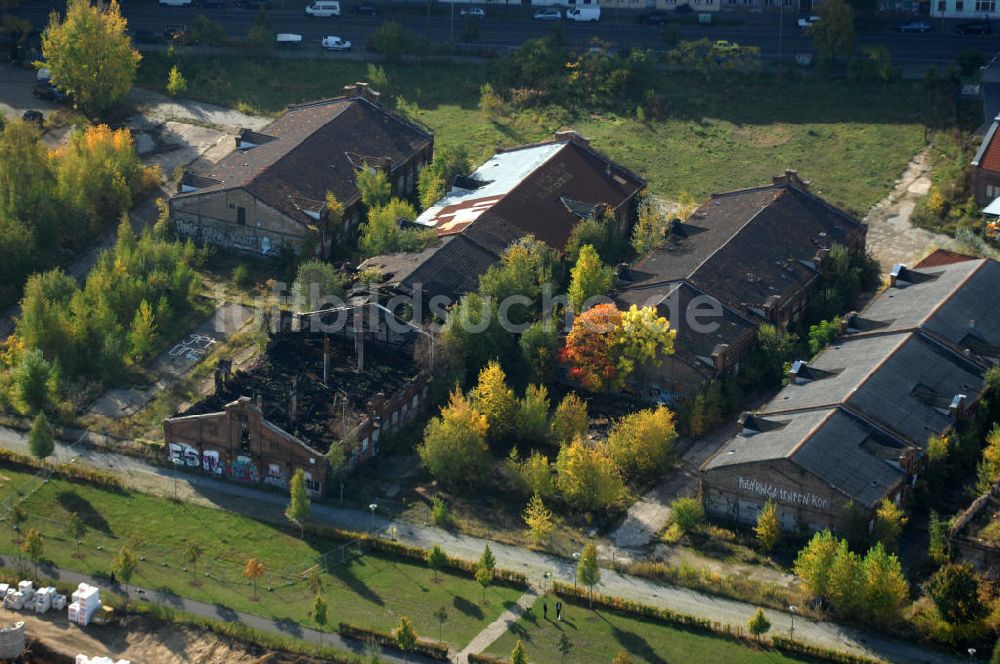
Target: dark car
{"points": [[654, 18], [147, 37], [47, 91], [33, 116], [366, 9], [974, 28]]}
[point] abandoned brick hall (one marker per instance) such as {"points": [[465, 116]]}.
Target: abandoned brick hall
{"points": [[307, 394]]}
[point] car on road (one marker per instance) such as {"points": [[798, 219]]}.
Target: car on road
{"points": [[723, 46], [48, 92], [914, 26], [324, 8], [805, 22], [654, 18], [33, 116], [584, 14], [334, 43], [548, 15], [287, 40], [474, 12], [974, 28], [147, 37], [175, 34], [366, 9]]}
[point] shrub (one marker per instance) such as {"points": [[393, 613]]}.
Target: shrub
{"points": [[176, 83], [687, 514], [433, 649]]}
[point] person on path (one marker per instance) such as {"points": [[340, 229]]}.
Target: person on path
{"points": [[559, 611], [545, 610]]}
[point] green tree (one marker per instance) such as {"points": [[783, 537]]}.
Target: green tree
{"points": [[845, 581], [495, 400], [441, 615], [35, 380], [434, 180], [565, 647], [207, 31], [588, 477], [519, 655], [315, 581], [142, 333], [490, 103], [588, 278], [391, 40], [885, 589], [454, 447], [487, 560], [833, 34], [406, 635], [536, 475], [758, 624], [33, 547], [90, 55], [436, 559], [687, 514], [532, 421], [956, 593], [319, 615], [261, 35], [374, 187], [768, 528], [587, 570], [651, 228], [538, 519], [41, 440], [641, 442], [192, 554], [76, 528], [176, 83], [570, 420], [383, 232], [539, 345], [814, 563], [316, 283], [298, 503], [124, 565], [938, 544], [889, 523], [988, 470], [484, 577]]}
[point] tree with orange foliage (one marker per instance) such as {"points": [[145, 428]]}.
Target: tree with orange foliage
{"points": [[590, 347], [89, 54], [254, 570]]}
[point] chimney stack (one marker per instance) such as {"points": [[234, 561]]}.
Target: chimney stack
{"points": [[798, 374], [898, 272], [719, 357], [956, 409]]}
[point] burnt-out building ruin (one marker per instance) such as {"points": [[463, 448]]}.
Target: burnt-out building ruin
{"points": [[304, 396]]}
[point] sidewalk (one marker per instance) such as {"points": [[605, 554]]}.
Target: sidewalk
{"points": [[143, 476], [219, 612]]}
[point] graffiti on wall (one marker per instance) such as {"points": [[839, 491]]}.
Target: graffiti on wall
{"points": [[193, 348], [245, 470], [768, 490], [275, 477], [233, 239], [209, 461]]}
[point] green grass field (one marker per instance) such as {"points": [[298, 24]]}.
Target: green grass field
{"points": [[852, 140], [370, 590], [597, 636]]}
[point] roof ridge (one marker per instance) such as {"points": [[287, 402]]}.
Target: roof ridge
{"points": [[950, 294], [809, 434]]}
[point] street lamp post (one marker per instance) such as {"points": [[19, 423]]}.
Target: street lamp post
{"points": [[791, 632], [576, 558], [972, 653], [545, 581], [373, 507]]}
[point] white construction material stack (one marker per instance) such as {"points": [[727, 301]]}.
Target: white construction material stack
{"points": [[59, 602], [27, 588], [86, 602], [43, 599], [14, 601]]}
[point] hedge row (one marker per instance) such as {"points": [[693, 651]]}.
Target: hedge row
{"points": [[66, 470], [467, 568], [579, 595], [487, 659], [427, 648]]}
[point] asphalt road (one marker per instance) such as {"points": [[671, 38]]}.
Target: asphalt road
{"points": [[510, 26]]}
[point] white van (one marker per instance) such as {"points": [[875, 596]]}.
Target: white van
{"points": [[175, 3], [590, 14], [324, 8]]}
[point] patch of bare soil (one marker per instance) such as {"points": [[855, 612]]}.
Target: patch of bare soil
{"points": [[140, 640]]}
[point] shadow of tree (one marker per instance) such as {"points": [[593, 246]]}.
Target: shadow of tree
{"points": [[468, 608], [75, 504], [226, 613], [288, 626], [636, 645], [356, 585]]}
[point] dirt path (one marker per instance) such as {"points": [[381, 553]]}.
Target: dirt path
{"points": [[892, 238]]}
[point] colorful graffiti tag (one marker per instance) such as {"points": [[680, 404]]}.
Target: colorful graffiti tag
{"points": [[245, 470]]}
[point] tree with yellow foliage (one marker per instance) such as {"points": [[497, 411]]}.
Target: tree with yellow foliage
{"points": [[643, 338], [454, 446], [587, 476], [495, 400], [89, 54], [640, 442], [538, 519], [253, 571]]}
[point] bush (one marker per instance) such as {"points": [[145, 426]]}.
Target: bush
{"points": [[433, 649], [241, 276], [440, 514], [687, 514], [206, 31], [176, 83]]}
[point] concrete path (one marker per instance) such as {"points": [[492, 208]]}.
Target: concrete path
{"points": [[142, 476], [222, 613], [160, 107], [892, 237], [498, 627]]}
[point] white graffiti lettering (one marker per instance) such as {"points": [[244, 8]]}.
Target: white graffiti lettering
{"points": [[193, 348], [752, 485]]}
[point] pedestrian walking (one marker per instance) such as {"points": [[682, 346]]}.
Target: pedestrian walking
{"points": [[559, 611], [545, 610]]}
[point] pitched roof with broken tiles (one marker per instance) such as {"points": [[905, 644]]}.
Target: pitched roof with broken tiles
{"points": [[317, 148]]}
